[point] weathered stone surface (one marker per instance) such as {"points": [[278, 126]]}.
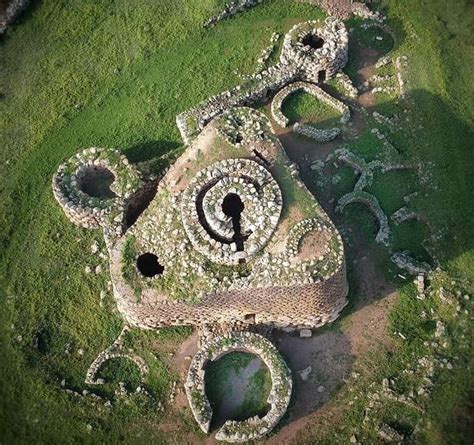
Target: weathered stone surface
{"points": [[306, 333], [280, 393]]}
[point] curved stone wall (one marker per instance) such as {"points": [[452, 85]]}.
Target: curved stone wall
{"points": [[278, 399], [328, 53], [210, 230], [309, 88], [298, 61], [103, 208]]}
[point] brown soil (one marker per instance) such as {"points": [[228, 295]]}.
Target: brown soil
{"points": [[313, 245], [333, 354], [303, 150], [369, 56], [280, 236]]}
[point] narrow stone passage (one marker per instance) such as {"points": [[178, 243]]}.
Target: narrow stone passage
{"points": [[233, 206]]}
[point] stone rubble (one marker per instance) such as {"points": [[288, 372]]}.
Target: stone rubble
{"points": [[298, 61]]}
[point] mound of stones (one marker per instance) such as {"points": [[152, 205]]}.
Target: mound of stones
{"points": [[278, 399]]}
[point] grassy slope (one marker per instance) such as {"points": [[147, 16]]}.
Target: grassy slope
{"points": [[437, 38], [76, 75], [440, 48], [439, 45]]}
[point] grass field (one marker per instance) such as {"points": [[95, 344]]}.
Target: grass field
{"points": [[302, 107], [115, 74]]}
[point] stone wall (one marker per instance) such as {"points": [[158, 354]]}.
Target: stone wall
{"points": [[305, 305], [310, 88], [116, 350], [298, 61], [12, 12], [372, 203], [321, 135], [93, 211], [260, 196], [279, 397]]}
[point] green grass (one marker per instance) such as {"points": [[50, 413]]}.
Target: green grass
{"points": [[410, 236], [437, 131], [303, 107], [360, 218], [85, 74], [119, 370], [367, 146], [113, 74], [368, 37], [391, 187], [219, 375]]}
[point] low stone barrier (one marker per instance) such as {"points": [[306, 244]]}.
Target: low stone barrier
{"points": [[405, 261], [318, 134], [346, 83], [231, 9], [113, 351], [12, 12], [372, 203], [403, 214], [299, 60], [314, 90], [279, 397]]}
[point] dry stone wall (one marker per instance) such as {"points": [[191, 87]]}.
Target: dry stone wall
{"points": [[300, 59], [11, 13], [89, 170], [309, 88], [260, 196], [279, 397], [321, 135]]}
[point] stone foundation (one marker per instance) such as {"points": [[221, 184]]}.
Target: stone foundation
{"points": [[280, 393]]}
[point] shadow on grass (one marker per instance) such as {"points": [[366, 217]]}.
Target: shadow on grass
{"points": [[147, 150]]}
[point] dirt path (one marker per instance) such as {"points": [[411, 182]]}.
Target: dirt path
{"points": [[331, 356], [365, 72]]}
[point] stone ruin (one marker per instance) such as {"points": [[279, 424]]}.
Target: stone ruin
{"points": [[278, 399], [312, 51], [230, 234]]}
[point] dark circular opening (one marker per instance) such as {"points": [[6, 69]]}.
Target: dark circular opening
{"points": [[232, 205], [95, 181], [238, 138], [148, 265], [313, 40]]}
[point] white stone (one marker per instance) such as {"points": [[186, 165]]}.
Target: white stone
{"points": [[306, 333]]}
